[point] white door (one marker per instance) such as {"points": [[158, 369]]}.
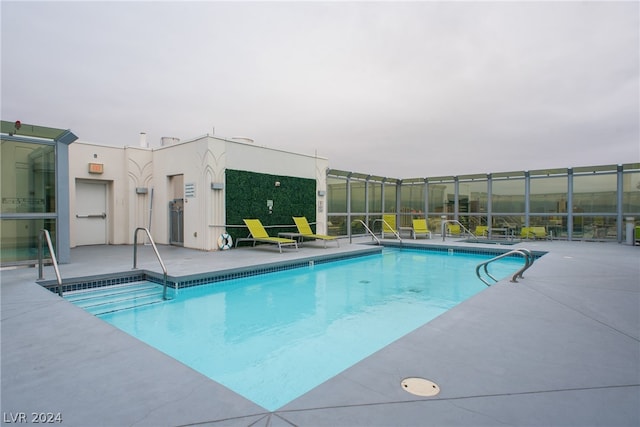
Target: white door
{"points": [[91, 213]]}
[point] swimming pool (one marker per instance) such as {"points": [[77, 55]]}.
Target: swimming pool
{"points": [[275, 336]]}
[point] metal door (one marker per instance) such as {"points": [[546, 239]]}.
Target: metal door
{"points": [[91, 213], [176, 222]]}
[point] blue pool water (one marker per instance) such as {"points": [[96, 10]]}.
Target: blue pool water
{"points": [[273, 337]]}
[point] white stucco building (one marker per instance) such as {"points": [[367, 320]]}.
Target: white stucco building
{"points": [[179, 190]]}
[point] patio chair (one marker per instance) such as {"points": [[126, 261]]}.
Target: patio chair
{"points": [[453, 229], [306, 232], [481, 231], [537, 232], [420, 228], [389, 225], [257, 233]]}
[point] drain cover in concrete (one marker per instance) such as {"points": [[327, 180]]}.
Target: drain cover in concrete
{"points": [[420, 387]]}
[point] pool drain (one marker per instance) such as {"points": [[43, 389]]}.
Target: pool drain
{"points": [[420, 387]]}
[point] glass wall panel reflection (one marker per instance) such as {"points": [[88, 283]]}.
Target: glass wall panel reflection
{"points": [[358, 202], [375, 196], [28, 177], [389, 198], [594, 193], [20, 238], [507, 195], [337, 195], [631, 194], [441, 196], [548, 194]]}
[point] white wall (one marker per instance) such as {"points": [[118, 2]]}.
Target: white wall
{"points": [[200, 162]]}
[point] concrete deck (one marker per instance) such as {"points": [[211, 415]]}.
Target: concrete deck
{"points": [[559, 348]]}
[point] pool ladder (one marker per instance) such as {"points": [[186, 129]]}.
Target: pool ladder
{"points": [[528, 262], [155, 249], [45, 234]]}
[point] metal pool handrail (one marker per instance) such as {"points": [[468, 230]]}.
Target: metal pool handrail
{"points": [[47, 236], [390, 228], [368, 229], [528, 262], [155, 249], [455, 221]]}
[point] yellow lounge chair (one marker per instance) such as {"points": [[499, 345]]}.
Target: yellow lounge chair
{"points": [[453, 229], [257, 233], [482, 231], [305, 231], [533, 232], [389, 225], [420, 228]]}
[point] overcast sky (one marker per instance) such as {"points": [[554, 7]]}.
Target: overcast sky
{"points": [[396, 89]]}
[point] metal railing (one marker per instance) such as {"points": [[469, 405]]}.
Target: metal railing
{"points": [[395, 232], [47, 237], [443, 227], [368, 230], [528, 262], [155, 249]]}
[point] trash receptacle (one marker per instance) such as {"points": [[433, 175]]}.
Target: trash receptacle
{"points": [[630, 230]]}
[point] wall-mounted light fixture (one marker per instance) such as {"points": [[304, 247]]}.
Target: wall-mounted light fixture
{"points": [[217, 185], [142, 190], [321, 193], [277, 183]]}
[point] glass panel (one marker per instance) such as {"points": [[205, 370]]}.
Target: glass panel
{"points": [[336, 194], [548, 195], [555, 225], [412, 199], [28, 177], [337, 225], [358, 202], [594, 193], [631, 193], [389, 197], [375, 197], [356, 225], [472, 196], [441, 197], [506, 225], [507, 196], [598, 227], [20, 238], [473, 221]]}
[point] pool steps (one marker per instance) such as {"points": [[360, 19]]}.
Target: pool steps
{"points": [[116, 298]]}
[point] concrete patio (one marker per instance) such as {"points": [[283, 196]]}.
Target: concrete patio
{"points": [[559, 348]]}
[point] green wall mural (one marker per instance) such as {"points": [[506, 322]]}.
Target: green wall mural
{"points": [[247, 194]]}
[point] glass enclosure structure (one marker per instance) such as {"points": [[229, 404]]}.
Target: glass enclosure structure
{"points": [[34, 191], [583, 203]]}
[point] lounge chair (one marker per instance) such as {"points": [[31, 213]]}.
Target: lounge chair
{"points": [[420, 228], [534, 233], [481, 231], [306, 232], [453, 229], [257, 233], [389, 225]]}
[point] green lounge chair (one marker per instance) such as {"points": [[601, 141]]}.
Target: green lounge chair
{"points": [[257, 233], [306, 232]]}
